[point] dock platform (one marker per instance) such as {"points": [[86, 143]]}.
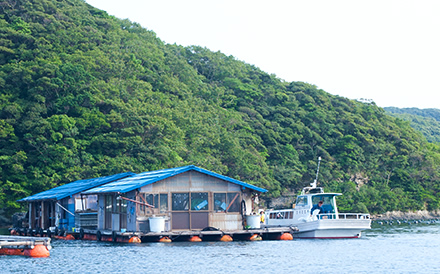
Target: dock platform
{"points": [[273, 233], [209, 234]]}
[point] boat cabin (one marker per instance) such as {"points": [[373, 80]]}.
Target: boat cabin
{"points": [[63, 207], [301, 210], [184, 198]]}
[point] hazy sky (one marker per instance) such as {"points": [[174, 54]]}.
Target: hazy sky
{"points": [[387, 51]]}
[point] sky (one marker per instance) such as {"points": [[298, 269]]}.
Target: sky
{"points": [[387, 51]]}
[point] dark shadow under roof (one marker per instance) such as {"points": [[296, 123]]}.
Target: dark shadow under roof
{"points": [[70, 189], [142, 179]]}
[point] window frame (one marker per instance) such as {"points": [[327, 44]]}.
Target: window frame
{"points": [[236, 202]]}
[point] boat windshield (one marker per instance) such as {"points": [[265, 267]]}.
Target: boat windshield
{"points": [[301, 201], [328, 206]]}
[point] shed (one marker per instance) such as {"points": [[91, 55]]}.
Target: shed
{"points": [[63, 207], [188, 198]]}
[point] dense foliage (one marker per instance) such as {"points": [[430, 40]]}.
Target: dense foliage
{"points": [[84, 94], [427, 121]]}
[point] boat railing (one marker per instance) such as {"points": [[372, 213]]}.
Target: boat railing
{"points": [[351, 216]]}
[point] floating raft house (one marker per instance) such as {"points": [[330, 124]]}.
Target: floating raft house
{"points": [[177, 204]]}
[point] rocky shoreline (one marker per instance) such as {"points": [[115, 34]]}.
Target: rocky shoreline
{"points": [[398, 215]]}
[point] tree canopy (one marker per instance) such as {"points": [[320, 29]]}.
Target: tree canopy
{"points": [[84, 94], [427, 121]]}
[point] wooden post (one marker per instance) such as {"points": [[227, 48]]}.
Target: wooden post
{"points": [[30, 219], [57, 215], [43, 212]]}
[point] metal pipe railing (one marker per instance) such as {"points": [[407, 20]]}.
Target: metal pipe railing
{"points": [[351, 216]]}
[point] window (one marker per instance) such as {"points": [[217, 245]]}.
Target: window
{"points": [[163, 203], [92, 202], [78, 204], [199, 201], [122, 206], [227, 202], [180, 201], [280, 215], [89, 202], [233, 202], [301, 201], [159, 201], [220, 201], [328, 206], [108, 203]]}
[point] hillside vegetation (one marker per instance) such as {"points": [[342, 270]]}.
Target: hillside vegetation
{"points": [[84, 94], [427, 121]]}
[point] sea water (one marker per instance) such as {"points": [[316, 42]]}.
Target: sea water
{"points": [[402, 248]]}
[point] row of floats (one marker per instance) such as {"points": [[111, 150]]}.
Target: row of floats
{"points": [[36, 243]]}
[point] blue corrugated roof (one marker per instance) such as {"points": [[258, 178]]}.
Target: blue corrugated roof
{"points": [[69, 189], [150, 177]]}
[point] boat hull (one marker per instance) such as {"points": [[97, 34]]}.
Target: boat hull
{"points": [[331, 229]]}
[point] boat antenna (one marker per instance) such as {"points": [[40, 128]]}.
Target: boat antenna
{"points": [[317, 172]]}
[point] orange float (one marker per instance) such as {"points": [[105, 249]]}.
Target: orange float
{"points": [[226, 238], [11, 251], [68, 237], [90, 237], [195, 239], [39, 251], [255, 237], [165, 240], [106, 239], [135, 240], [286, 237]]}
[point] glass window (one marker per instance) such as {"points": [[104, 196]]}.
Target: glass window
{"points": [[233, 200], [163, 203], [92, 202], [159, 201], [151, 199], [79, 204], [180, 201], [122, 206], [220, 201], [114, 204], [199, 201], [301, 201], [227, 202], [108, 203], [328, 206]]}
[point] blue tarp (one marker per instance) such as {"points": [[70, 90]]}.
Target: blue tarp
{"points": [[142, 179], [70, 189]]}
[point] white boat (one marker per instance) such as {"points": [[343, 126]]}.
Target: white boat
{"points": [[329, 224]]}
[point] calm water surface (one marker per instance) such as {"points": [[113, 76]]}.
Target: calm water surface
{"points": [[383, 249]]}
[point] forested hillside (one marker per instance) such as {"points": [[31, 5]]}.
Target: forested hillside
{"points": [[84, 94], [427, 121]]}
